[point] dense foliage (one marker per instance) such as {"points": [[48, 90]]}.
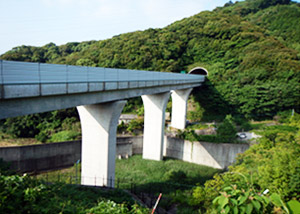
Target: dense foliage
{"points": [[251, 50], [226, 132], [21, 194], [175, 179], [55, 126], [265, 179]]}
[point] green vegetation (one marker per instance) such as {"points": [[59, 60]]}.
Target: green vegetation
{"points": [[134, 127], [174, 178], [192, 136], [64, 136], [148, 173], [145, 174], [272, 164], [250, 48], [252, 53], [227, 129], [133, 106], [226, 133], [61, 125], [22, 194]]}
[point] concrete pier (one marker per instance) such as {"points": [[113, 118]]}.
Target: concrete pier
{"points": [[154, 124], [179, 107], [28, 88], [99, 128]]}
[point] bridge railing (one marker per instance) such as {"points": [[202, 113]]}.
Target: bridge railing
{"points": [[13, 72]]}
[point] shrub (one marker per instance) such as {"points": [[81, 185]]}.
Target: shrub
{"points": [[245, 126], [137, 124], [227, 129], [140, 111], [122, 127], [177, 176], [284, 116], [108, 207], [42, 136], [64, 136], [71, 123], [196, 113], [190, 135], [25, 126], [4, 168], [272, 164], [21, 194], [234, 200]]}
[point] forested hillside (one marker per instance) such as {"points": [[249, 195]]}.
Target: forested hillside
{"points": [[251, 50]]}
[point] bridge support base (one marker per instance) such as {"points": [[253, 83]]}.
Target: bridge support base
{"points": [[179, 107], [99, 129], [154, 124]]}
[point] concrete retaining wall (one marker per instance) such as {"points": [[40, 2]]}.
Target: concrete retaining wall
{"points": [[51, 156], [216, 155], [42, 157], [128, 146]]}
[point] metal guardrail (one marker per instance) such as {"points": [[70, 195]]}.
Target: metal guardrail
{"points": [[13, 72]]}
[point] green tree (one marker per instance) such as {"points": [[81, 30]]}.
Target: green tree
{"points": [[227, 129]]}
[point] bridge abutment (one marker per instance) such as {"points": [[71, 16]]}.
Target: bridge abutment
{"points": [[154, 124], [99, 129], [179, 107]]}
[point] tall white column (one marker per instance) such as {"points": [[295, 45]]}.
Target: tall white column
{"points": [[179, 107], [154, 124], [99, 129]]}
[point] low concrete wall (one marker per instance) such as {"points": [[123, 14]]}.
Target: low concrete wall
{"points": [[42, 157], [137, 145], [128, 146], [216, 155], [35, 158]]}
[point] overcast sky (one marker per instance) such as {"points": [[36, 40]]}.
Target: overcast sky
{"points": [[38, 22]]}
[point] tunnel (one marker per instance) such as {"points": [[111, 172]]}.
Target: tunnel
{"points": [[199, 70]]}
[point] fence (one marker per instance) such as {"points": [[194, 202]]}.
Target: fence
{"points": [[119, 183], [13, 72], [146, 193]]}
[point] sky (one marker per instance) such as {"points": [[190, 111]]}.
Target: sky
{"points": [[39, 22]]}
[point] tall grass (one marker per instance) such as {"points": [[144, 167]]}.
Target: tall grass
{"points": [[142, 171], [174, 178]]}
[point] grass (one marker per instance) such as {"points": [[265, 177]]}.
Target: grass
{"points": [[142, 171], [198, 126], [174, 178], [7, 140]]}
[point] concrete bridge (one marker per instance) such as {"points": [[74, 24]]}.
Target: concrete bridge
{"points": [[99, 95]]}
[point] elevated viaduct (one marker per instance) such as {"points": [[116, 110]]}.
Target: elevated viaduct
{"points": [[99, 95]]}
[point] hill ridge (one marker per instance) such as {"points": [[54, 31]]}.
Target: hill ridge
{"points": [[252, 55]]}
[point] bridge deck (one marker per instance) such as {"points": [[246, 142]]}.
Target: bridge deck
{"points": [[28, 88], [25, 79]]}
